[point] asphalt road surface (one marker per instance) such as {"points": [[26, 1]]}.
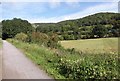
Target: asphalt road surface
{"points": [[17, 66]]}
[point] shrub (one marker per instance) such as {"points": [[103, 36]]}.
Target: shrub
{"points": [[53, 40], [22, 37], [96, 67], [40, 38], [50, 40]]}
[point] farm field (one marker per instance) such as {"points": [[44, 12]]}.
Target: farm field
{"points": [[101, 45]]}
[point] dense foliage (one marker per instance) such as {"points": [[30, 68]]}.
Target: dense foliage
{"points": [[42, 39], [0, 30], [11, 27], [99, 31], [91, 66], [83, 27]]}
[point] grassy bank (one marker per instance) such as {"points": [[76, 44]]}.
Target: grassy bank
{"points": [[69, 64], [0, 42]]}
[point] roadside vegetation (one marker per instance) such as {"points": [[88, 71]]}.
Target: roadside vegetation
{"points": [[68, 63], [0, 42], [46, 45]]}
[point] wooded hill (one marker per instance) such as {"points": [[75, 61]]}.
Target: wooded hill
{"points": [[92, 26], [96, 25]]}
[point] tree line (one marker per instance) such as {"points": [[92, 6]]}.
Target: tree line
{"points": [[92, 26], [11, 27]]}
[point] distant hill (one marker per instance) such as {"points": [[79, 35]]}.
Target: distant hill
{"points": [[83, 27], [98, 18]]}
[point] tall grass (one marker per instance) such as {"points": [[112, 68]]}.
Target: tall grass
{"points": [[0, 42]]}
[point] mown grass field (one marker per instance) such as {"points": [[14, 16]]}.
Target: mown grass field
{"points": [[101, 45]]}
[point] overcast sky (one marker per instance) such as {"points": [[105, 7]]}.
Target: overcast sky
{"points": [[52, 11]]}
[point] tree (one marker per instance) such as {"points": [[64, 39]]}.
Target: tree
{"points": [[11, 27], [99, 30], [116, 28], [0, 30]]}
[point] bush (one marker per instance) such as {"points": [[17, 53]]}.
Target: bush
{"points": [[22, 37], [50, 40], [53, 40], [40, 38], [96, 67]]}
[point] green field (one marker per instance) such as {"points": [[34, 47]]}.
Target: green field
{"points": [[100, 45]]}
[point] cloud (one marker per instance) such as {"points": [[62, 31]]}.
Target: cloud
{"points": [[54, 4], [105, 7], [59, 0], [20, 11]]}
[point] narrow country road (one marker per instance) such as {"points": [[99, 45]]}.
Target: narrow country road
{"points": [[17, 66]]}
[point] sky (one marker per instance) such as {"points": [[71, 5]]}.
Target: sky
{"points": [[54, 11]]}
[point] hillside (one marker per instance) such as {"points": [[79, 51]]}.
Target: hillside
{"points": [[98, 25], [98, 18], [83, 27]]}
